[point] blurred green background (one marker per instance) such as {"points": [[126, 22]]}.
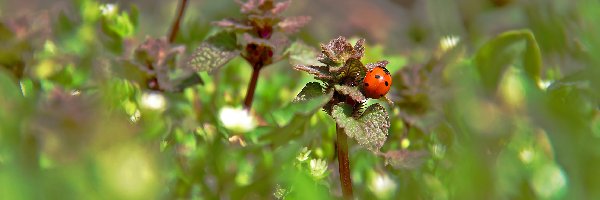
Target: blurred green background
{"points": [[478, 113]]}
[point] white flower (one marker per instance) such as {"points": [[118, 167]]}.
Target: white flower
{"points": [[526, 155], [108, 9], [544, 84], [382, 186], [318, 167], [448, 42], [154, 101], [75, 92], [237, 119], [438, 150], [303, 156], [135, 116]]}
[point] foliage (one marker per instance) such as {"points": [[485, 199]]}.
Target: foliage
{"points": [[342, 73], [263, 36], [96, 104]]}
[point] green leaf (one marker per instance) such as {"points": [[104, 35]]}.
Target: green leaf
{"points": [[310, 91], [191, 80], [292, 118], [375, 56], [302, 54], [496, 55], [134, 12], [8, 88], [352, 92], [370, 130], [353, 68], [301, 108], [320, 72], [214, 52]]}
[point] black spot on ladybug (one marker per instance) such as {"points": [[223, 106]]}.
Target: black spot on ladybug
{"points": [[386, 83], [381, 95], [386, 71], [377, 76], [367, 84]]}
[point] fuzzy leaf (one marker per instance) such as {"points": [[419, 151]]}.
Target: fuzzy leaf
{"points": [[280, 7], [496, 55], [293, 118], [214, 52], [352, 92], [354, 68], [151, 50], [310, 100], [293, 24], [336, 51], [190, 81], [382, 63], [370, 130], [248, 6], [233, 24], [404, 159], [339, 50], [359, 49], [311, 90], [259, 21], [320, 72], [302, 54]]}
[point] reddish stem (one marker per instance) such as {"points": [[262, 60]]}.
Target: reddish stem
{"points": [[175, 27], [251, 88], [344, 162]]}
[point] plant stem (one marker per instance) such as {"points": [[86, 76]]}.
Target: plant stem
{"points": [[251, 88], [175, 27], [344, 162]]}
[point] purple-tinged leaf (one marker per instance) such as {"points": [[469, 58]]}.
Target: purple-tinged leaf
{"points": [[335, 52], [352, 92], [248, 6], [233, 25], [339, 50], [320, 72], [382, 63], [359, 49], [214, 52], [280, 7], [404, 159], [293, 24]]}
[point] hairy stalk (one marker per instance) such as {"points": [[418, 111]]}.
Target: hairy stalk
{"points": [[344, 162], [175, 26], [252, 88]]}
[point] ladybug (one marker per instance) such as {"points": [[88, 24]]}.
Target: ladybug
{"points": [[377, 82]]}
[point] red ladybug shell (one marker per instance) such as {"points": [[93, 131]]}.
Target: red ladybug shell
{"points": [[377, 82]]}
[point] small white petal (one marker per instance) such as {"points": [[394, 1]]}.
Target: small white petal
{"points": [[235, 119], [154, 101]]}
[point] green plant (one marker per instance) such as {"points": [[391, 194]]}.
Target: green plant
{"points": [[342, 74], [260, 38], [93, 108]]}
